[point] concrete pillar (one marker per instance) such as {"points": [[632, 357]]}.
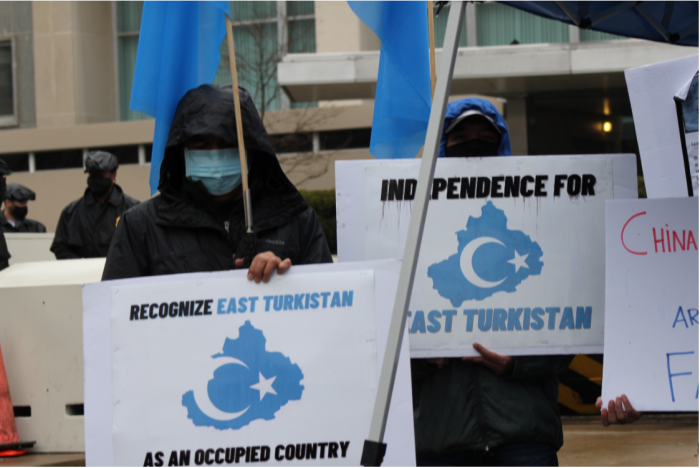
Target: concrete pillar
{"points": [[574, 34], [516, 119], [470, 19], [338, 29], [316, 143], [73, 63]]}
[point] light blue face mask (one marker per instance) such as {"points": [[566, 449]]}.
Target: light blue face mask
{"points": [[219, 170]]}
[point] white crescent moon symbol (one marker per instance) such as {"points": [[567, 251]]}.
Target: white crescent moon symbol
{"points": [[201, 394], [465, 262]]}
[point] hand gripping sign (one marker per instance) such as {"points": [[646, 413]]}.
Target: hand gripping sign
{"points": [[651, 303], [212, 369], [513, 252]]}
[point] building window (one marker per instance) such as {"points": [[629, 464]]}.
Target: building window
{"points": [[292, 143], [128, 27], [18, 162], [8, 95], [440, 24], [263, 32], [573, 122], [60, 159], [126, 154], [499, 24], [345, 139]]}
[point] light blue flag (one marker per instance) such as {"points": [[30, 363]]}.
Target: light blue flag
{"points": [[178, 50], [402, 100]]}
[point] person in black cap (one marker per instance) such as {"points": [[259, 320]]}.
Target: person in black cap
{"points": [[14, 217], [87, 225], [4, 253], [197, 221]]}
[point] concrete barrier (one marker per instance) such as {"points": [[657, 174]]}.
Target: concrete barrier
{"points": [[41, 332], [29, 247]]}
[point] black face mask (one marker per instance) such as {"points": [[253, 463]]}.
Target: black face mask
{"points": [[472, 148], [99, 186], [19, 213]]}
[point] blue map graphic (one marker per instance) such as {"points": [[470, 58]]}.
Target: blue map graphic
{"points": [[496, 259], [255, 384]]}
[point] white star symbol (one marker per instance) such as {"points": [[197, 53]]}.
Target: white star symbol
{"points": [[264, 386], [519, 261]]}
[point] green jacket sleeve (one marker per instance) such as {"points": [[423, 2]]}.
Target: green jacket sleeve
{"points": [[538, 368]]}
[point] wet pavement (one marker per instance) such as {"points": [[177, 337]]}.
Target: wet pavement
{"points": [[651, 441]]}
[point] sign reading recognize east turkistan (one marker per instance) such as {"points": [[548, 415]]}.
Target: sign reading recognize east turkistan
{"points": [[223, 371]]}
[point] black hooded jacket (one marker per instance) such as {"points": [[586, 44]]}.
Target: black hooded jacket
{"points": [[86, 227], [183, 230]]}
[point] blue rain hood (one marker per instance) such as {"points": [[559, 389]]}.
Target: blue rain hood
{"points": [[455, 109]]}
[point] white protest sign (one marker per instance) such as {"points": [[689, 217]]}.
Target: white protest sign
{"points": [[651, 303], [282, 373], [512, 255], [651, 89], [687, 110]]}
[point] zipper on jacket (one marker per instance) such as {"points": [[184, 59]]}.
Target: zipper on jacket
{"points": [[226, 225], [484, 429]]}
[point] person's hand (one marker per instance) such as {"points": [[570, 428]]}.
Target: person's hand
{"points": [[500, 365], [615, 413], [263, 265], [440, 362]]}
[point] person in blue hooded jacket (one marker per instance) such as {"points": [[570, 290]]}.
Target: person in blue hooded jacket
{"points": [[490, 410], [474, 128]]}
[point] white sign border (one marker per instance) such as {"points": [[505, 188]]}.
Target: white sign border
{"points": [[350, 209], [99, 450], [622, 373]]}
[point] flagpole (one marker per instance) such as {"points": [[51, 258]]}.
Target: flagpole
{"points": [[374, 447], [250, 241], [431, 39]]}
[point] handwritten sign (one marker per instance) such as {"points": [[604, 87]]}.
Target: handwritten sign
{"points": [[512, 255], [651, 89], [651, 303]]}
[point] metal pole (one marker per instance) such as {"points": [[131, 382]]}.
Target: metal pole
{"points": [[431, 42], [374, 448]]}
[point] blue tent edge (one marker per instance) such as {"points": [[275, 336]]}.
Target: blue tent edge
{"points": [[685, 13]]}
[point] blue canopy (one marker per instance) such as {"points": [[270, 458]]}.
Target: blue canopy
{"points": [[671, 22]]}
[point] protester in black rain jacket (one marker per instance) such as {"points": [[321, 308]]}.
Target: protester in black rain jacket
{"points": [[4, 253], [14, 217], [490, 410], [86, 226], [185, 229]]}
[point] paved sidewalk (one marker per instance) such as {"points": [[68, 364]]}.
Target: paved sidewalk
{"points": [[45, 459], [652, 441]]}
